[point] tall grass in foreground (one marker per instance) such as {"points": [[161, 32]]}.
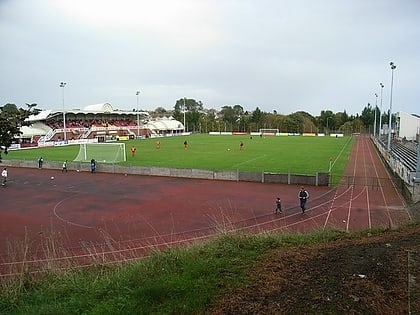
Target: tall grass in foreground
{"points": [[175, 281]]}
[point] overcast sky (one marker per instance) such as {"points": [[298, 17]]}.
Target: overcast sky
{"points": [[308, 55]]}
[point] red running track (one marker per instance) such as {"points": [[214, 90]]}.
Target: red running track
{"points": [[112, 217]]}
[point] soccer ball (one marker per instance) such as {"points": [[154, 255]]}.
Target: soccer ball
{"points": [[52, 177], [77, 171], [229, 149]]}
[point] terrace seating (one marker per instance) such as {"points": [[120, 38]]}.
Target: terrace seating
{"points": [[407, 156], [88, 123]]}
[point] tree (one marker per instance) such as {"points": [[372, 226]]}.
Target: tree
{"points": [[239, 110], [368, 117], [292, 124], [326, 121], [257, 118], [301, 122], [346, 128], [349, 127], [273, 120], [228, 115], [160, 111], [208, 121], [340, 119], [11, 119], [239, 119], [191, 110]]}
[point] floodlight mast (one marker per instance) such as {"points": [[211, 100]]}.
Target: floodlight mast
{"points": [[62, 85], [376, 109], [393, 67], [380, 116], [184, 110], [138, 119]]}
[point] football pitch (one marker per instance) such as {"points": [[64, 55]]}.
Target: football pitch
{"points": [[278, 154]]}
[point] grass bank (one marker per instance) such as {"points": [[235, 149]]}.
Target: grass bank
{"points": [[176, 281]]}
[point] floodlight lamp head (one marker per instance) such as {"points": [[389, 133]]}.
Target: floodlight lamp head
{"points": [[381, 84]]}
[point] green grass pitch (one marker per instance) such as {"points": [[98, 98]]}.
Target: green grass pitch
{"points": [[279, 154]]}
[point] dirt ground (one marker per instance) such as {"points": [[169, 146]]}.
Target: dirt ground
{"points": [[365, 276]]}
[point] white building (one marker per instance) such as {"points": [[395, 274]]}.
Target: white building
{"points": [[407, 126]]}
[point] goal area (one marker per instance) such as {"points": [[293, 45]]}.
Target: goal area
{"points": [[268, 132], [101, 152]]}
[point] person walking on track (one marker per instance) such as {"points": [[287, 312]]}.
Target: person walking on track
{"points": [[303, 197], [278, 205], [4, 177], [64, 168], [40, 162]]}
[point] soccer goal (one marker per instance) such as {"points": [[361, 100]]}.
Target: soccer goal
{"points": [[101, 152], [269, 132]]}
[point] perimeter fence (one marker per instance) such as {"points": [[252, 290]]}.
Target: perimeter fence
{"points": [[374, 183], [318, 179]]}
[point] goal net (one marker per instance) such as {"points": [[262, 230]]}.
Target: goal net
{"points": [[269, 132], [101, 152]]}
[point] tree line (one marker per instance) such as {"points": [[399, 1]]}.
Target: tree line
{"points": [[235, 118]]}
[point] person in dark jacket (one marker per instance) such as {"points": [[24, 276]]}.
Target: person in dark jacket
{"points": [[92, 166], [278, 205], [303, 197]]}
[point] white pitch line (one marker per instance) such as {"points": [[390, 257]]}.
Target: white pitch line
{"points": [[65, 220], [251, 160]]}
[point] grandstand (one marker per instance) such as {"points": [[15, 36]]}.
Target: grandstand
{"points": [[99, 123], [402, 156], [402, 153]]}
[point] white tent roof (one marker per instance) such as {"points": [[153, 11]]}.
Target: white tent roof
{"points": [[165, 124], [103, 107], [42, 115], [29, 131]]}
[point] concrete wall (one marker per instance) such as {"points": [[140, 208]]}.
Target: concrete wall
{"points": [[320, 179]]}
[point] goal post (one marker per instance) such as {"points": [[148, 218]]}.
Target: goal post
{"points": [[268, 132], [101, 152]]}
